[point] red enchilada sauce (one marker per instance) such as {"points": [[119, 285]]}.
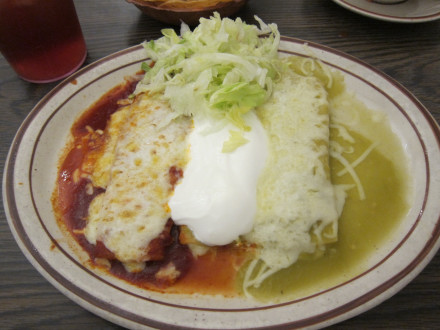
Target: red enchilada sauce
{"points": [[212, 273]]}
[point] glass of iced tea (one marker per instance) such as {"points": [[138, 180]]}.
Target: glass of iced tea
{"points": [[41, 39]]}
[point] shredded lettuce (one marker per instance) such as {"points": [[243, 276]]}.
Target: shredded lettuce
{"points": [[236, 139], [224, 68]]}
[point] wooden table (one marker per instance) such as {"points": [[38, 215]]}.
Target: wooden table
{"points": [[409, 53]]}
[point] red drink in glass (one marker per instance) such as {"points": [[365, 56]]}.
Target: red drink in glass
{"points": [[41, 39]]}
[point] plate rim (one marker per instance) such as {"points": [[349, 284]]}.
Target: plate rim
{"points": [[385, 17]]}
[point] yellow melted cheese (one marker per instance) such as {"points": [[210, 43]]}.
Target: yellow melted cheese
{"points": [[135, 172]]}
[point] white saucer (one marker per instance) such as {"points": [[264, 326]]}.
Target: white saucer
{"points": [[411, 11]]}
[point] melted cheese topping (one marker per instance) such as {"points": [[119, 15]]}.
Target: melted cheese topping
{"points": [[133, 210], [101, 171], [295, 196]]}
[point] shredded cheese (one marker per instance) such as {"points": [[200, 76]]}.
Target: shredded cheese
{"points": [[351, 171], [360, 159]]}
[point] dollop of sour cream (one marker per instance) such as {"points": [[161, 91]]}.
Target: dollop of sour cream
{"points": [[216, 198]]}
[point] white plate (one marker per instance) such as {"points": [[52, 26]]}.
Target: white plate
{"points": [[31, 171], [410, 11]]}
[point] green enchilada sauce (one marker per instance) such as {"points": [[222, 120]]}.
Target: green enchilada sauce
{"points": [[364, 224]]}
